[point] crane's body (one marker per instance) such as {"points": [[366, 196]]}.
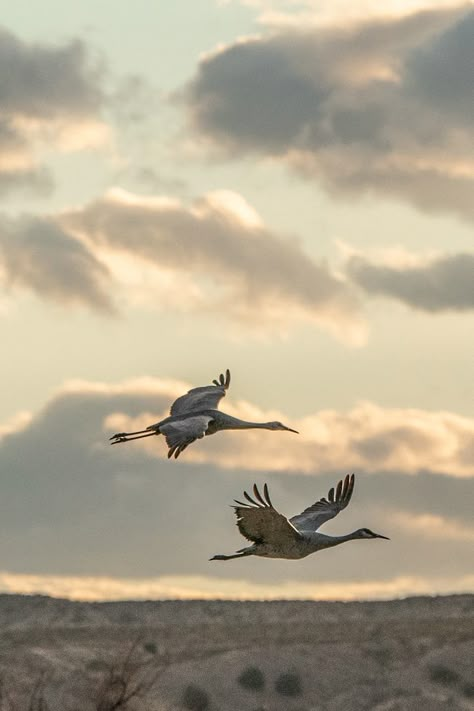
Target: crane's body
{"points": [[274, 536], [217, 421], [310, 542], [195, 415]]}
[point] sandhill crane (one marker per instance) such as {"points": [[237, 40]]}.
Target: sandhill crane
{"points": [[194, 415], [275, 536]]}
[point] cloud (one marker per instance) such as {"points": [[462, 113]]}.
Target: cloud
{"points": [[50, 95], [381, 107], [433, 284], [35, 254], [434, 527], [72, 506], [301, 13], [216, 256]]}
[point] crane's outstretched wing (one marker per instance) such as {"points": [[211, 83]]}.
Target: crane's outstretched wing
{"points": [[207, 397], [259, 522], [325, 509], [182, 433]]}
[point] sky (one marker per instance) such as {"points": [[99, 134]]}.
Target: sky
{"points": [[283, 188]]}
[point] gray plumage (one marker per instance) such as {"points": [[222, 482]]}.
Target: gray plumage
{"points": [[275, 536], [195, 415]]}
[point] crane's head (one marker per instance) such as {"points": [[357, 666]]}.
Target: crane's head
{"points": [[367, 533], [279, 426]]}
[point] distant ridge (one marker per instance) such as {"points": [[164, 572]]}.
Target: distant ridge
{"points": [[18, 610]]}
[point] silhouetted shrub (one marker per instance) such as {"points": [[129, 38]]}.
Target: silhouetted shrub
{"points": [[123, 683], [126, 681], [443, 675], [150, 647], [288, 684], [252, 678], [195, 699]]}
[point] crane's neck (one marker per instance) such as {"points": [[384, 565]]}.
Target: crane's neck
{"points": [[324, 541], [233, 423]]}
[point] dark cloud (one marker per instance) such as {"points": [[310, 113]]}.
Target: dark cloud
{"points": [[47, 81], [38, 180], [385, 106], [72, 504], [45, 92], [441, 71], [35, 254], [445, 283]]}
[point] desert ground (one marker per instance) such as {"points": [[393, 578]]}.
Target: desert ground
{"points": [[403, 655]]}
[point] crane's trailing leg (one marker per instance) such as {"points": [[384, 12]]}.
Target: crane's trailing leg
{"points": [[229, 557], [195, 415], [276, 536], [128, 436], [242, 553]]}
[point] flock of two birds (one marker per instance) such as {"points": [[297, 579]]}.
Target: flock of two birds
{"points": [[272, 535]]}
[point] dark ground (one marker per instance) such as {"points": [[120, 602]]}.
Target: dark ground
{"points": [[403, 655]]}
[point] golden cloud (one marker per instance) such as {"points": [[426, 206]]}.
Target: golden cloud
{"points": [[435, 527], [188, 587], [367, 438]]}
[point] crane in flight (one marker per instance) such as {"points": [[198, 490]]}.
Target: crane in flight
{"points": [[275, 536], [194, 415]]}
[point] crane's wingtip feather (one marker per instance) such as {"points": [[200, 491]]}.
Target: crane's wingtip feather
{"points": [[248, 497], [240, 503], [258, 495], [267, 495]]}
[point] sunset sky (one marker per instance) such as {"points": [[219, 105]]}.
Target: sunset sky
{"points": [[284, 188]]}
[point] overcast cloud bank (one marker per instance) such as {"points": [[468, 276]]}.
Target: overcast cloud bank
{"points": [[72, 506], [432, 284]]}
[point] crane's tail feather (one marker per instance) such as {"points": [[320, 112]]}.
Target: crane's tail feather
{"points": [[129, 436]]}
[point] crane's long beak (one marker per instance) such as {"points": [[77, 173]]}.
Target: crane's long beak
{"points": [[290, 430], [384, 537]]}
